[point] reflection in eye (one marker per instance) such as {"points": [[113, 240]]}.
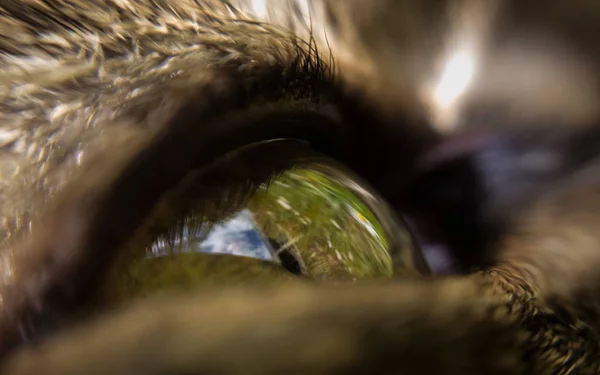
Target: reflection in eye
{"points": [[313, 221], [319, 221]]}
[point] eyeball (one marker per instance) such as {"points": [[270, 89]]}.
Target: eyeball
{"points": [[270, 213]]}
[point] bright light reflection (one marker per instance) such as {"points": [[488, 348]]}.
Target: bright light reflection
{"points": [[456, 77]]}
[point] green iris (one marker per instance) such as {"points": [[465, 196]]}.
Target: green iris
{"points": [[312, 222]]}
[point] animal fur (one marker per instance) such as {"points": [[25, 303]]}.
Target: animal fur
{"points": [[91, 92]]}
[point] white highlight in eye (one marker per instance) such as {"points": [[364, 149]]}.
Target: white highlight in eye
{"points": [[455, 79]]}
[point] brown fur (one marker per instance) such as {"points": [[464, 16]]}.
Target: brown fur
{"points": [[90, 89]]}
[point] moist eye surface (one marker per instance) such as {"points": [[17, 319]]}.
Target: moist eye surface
{"points": [[309, 219]]}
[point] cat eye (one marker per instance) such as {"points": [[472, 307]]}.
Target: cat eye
{"points": [[270, 212]]}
